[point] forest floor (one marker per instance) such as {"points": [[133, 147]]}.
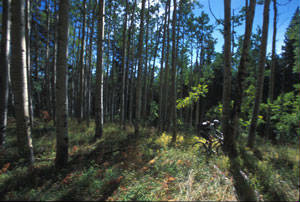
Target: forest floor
{"points": [[120, 166]]}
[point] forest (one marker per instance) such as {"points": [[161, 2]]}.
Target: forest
{"points": [[160, 100]]}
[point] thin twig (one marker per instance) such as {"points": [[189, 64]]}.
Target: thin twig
{"points": [[217, 20]]}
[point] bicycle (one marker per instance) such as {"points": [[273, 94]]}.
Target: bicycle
{"points": [[214, 139]]}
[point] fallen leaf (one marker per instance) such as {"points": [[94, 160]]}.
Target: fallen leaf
{"points": [[170, 179], [74, 149], [119, 179], [169, 197], [179, 162], [67, 179], [123, 188], [187, 163], [145, 168], [110, 198], [6, 165], [152, 161]]}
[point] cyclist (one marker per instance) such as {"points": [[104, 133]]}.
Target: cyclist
{"points": [[208, 130]]}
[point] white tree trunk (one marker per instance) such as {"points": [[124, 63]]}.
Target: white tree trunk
{"points": [[99, 74], [19, 80], [4, 68]]}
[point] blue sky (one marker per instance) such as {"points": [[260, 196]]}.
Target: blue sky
{"points": [[285, 14]]}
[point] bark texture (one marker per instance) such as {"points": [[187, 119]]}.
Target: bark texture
{"points": [[61, 88], [173, 89], [139, 77], [99, 74], [19, 80], [242, 68], [4, 68], [261, 70]]}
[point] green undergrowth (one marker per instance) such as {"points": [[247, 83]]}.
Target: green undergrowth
{"points": [[176, 174], [273, 170], [120, 166]]}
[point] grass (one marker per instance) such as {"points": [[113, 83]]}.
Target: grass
{"points": [[175, 175], [120, 166], [273, 170]]}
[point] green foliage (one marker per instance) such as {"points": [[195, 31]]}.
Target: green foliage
{"points": [[248, 101], [164, 173], [293, 35], [194, 95], [285, 115], [153, 111], [272, 178], [214, 112]]}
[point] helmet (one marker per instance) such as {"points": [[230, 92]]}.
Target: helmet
{"points": [[217, 122]]}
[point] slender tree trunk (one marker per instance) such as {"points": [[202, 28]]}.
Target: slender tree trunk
{"points": [[129, 58], [73, 75], [19, 80], [197, 112], [232, 37], [47, 66], [180, 8], [85, 65], [153, 65], [123, 67], [161, 75], [201, 101], [144, 106], [106, 83], [140, 67], [272, 75], [112, 82], [242, 68], [191, 84], [131, 98], [166, 122], [62, 86], [28, 63], [4, 68], [88, 110], [53, 78], [132, 84], [81, 66], [99, 75], [77, 72], [228, 137], [173, 89], [37, 52], [260, 80]]}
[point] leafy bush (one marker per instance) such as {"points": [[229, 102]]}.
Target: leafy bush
{"points": [[194, 95], [284, 115], [153, 111]]}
